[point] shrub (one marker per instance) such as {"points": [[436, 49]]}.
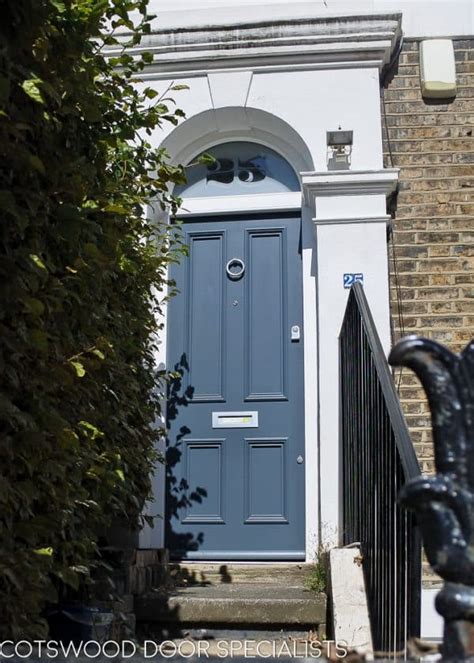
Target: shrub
{"points": [[79, 260]]}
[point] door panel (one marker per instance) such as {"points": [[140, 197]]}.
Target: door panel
{"points": [[266, 502], [205, 314], [265, 309], [237, 491]]}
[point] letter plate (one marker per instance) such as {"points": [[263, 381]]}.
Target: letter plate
{"points": [[235, 419]]}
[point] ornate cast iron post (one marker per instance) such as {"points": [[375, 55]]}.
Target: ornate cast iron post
{"points": [[444, 503]]}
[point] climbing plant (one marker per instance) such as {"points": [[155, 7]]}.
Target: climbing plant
{"points": [[82, 279]]}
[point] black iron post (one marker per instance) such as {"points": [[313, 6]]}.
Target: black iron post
{"points": [[444, 503]]}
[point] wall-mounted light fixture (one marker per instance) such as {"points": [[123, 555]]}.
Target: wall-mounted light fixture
{"points": [[339, 149]]}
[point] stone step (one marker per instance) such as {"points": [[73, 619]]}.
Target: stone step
{"points": [[202, 574], [238, 603]]}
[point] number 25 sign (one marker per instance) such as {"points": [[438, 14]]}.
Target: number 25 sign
{"points": [[350, 279]]}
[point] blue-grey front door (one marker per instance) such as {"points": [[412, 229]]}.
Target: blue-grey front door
{"points": [[235, 454]]}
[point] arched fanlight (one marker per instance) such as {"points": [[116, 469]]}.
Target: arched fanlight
{"points": [[239, 168]]}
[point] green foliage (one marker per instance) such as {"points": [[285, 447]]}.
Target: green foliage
{"points": [[79, 261], [318, 576]]}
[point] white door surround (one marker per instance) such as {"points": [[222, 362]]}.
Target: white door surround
{"points": [[285, 91]]}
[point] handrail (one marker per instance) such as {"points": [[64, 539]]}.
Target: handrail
{"points": [[377, 460]]}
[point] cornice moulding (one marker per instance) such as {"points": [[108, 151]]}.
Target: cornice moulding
{"points": [[385, 219], [366, 40], [349, 183]]}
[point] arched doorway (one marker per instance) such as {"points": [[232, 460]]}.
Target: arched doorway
{"points": [[235, 451]]}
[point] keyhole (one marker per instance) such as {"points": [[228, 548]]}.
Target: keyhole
{"points": [[235, 302]]}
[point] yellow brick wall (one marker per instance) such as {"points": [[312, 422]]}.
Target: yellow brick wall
{"points": [[433, 145]]}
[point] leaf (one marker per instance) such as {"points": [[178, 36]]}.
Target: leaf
{"points": [[91, 429], [69, 577], [60, 6], [116, 209], [98, 353], [206, 159], [147, 57], [84, 570], [37, 164], [34, 306], [39, 339], [79, 368], [7, 200], [120, 475], [68, 438], [30, 87], [46, 552], [13, 578], [150, 93], [37, 260], [180, 86]]}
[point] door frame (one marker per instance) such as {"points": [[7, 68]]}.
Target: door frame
{"points": [[272, 203]]}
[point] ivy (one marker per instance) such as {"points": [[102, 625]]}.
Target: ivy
{"points": [[79, 261]]}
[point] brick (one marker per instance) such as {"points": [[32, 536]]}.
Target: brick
{"points": [[441, 279], [431, 237], [433, 145], [438, 265], [462, 250], [421, 159], [415, 280], [463, 157], [416, 307], [410, 224], [402, 237], [413, 408], [461, 279], [440, 322], [406, 265], [438, 293], [441, 307], [439, 250]]}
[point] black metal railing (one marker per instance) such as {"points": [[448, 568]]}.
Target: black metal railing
{"points": [[377, 460]]}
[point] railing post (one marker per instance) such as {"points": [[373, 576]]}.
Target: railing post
{"points": [[444, 503]]}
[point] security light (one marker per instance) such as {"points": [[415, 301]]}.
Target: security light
{"points": [[339, 149]]}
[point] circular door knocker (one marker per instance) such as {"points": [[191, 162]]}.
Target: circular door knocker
{"points": [[235, 268]]}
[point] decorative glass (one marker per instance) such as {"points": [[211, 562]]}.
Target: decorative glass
{"points": [[239, 168]]}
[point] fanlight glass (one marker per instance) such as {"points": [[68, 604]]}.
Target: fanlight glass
{"points": [[239, 168]]}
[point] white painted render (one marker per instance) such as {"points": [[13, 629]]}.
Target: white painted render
{"points": [[431, 621], [349, 601], [421, 18], [289, 108]]}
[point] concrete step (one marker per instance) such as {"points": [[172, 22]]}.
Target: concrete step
{"points": [[202, 574], [239, 603]]}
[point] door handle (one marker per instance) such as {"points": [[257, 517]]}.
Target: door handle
{"points": [[235, 268]]}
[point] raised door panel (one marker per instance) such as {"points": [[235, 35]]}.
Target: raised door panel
{"points": [[266, 316], [205, 317], [203, 472], [266, 481]]}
